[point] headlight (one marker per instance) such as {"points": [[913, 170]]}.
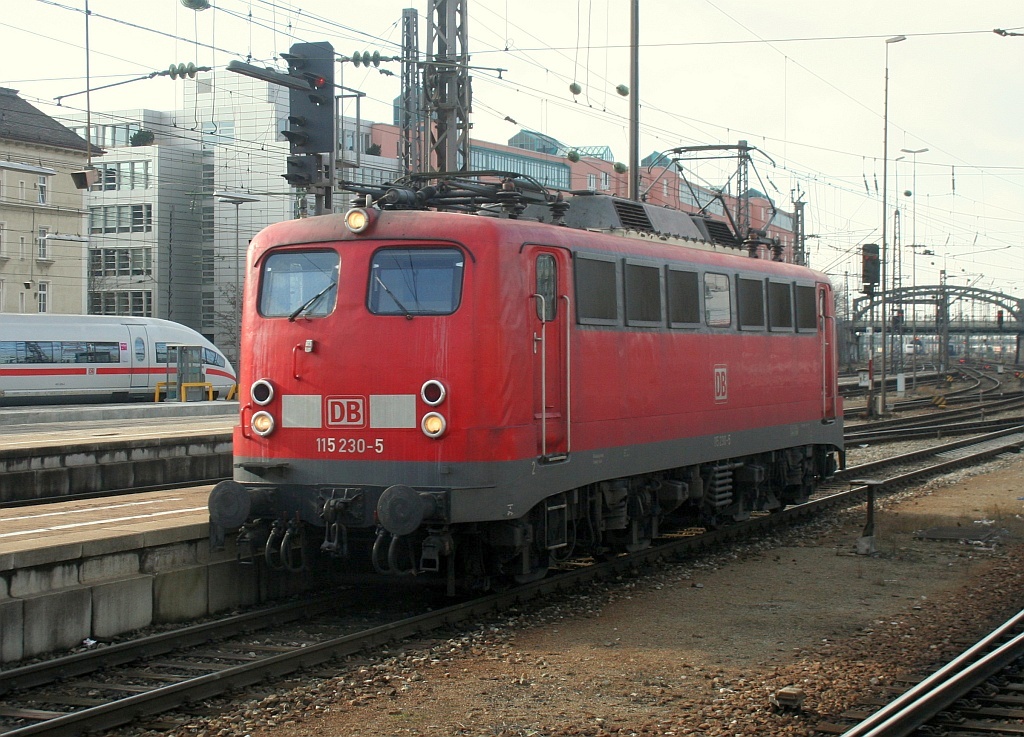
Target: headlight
{"points": [[433, 392], [357, 219], [433, 424], [262, 392], [262, 423]]}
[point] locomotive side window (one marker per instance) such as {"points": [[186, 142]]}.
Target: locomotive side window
{"points": [[806, 309], [597, 293], [750, 300], [547, 287], [415, 281], [683, 298], [294, 282], [717, 303], [780, 306], [643, 295]]}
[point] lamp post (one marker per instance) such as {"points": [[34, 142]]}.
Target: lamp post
{"points": [[885, 210], [913, 259], [237, 199]]}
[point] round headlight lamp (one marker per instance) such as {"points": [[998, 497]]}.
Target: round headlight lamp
{"points": [[262, 423], [262, 392], [357, 220], [433, 424], [433, 392]]}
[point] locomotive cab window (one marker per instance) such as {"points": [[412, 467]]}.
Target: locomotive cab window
{"points": [[750, 300], [415, 281], [643, 295], [597, 291], [806, 309], [299, 282], [547, 287], [717, 302], [780, 307], [683, 298]]}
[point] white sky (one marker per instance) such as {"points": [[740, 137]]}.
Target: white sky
{"points": [[802, 80]]}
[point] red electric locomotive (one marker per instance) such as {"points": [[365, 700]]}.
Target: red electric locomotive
{"points": [[484, 395]]}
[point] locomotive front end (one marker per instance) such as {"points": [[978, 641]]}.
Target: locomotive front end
{"points": [[354, 419]]}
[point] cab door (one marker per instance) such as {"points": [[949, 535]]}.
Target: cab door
{"points": [[549, 311], [139, 355], [827, 336]]}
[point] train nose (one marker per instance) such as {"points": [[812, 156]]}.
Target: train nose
{"points": [[401, 509]]}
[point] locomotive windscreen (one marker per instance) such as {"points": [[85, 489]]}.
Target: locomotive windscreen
{"points": [[291, 279], [415, 281]]}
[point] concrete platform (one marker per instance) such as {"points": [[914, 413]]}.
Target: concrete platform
{"points": [[110, 447], [98, 568]]}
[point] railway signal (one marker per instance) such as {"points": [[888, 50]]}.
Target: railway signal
{"points": [[311, 107]]}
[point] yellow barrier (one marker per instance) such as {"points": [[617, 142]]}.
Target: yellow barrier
{"points": [[184, 389]]}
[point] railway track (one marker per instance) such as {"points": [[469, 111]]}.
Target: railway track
{"points": [[977, 693], [114, 685]]}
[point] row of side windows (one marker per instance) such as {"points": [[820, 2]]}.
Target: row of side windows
{"points": [[637, 294]]}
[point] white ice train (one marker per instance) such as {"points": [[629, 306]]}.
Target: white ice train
{"points": [[75, 358]]}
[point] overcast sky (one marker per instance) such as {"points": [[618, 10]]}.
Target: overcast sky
{"points": [[801, 80]]}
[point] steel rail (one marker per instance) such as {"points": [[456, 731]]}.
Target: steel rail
{"points": [[950, 683], [166, 698]]}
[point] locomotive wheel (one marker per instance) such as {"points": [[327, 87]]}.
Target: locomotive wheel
{"points": [[535, 575]]}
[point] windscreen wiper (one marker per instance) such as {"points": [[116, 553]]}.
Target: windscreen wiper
{"points": [[408, 315], [309, 302]]}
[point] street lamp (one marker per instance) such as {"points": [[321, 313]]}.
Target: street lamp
{"points": [[913, 257], [885, 209], [237, 199]]}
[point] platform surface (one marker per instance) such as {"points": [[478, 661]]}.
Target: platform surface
{"points": [[62, 523]]}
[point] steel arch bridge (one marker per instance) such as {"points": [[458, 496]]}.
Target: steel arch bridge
{"points": [[943, 297]]}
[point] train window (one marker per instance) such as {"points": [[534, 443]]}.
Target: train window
{"points": [[27, 351], [717, 302], [415, 281], [299, 281], [547, 287], [780, 306], [683, 298], [212, 358], [806, 309], [98, 353], [597, 294], [750, 301], [643, 295], [140, 349]]}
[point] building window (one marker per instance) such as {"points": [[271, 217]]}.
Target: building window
{"points": [[136, 302], [123, 175], [121, 261], [3, 240], [21, 247], [44, 296], [43, 250], [41, 190], [208, 262], [121, 219], [592, 182], [208, 310]]}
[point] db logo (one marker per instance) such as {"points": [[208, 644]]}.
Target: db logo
{"points": [[721, 384], [346, 412]]}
